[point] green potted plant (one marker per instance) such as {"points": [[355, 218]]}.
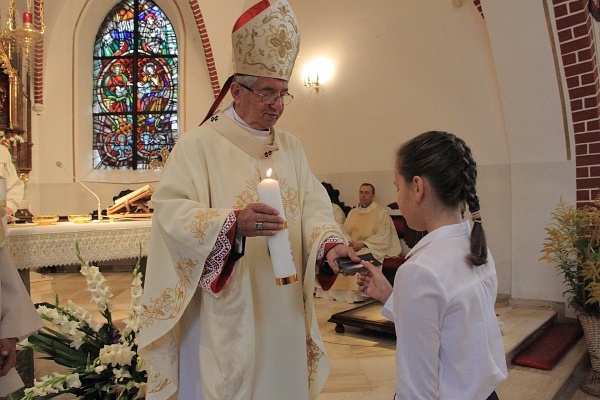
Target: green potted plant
{"points": [[572, 244]]}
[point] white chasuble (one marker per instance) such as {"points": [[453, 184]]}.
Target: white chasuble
{"points": [[374, 227], [256, 340]]}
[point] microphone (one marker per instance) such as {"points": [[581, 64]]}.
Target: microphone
{"points": [[60, 165]]}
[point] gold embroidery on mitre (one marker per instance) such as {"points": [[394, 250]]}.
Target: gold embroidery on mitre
{"points": [[268, 47], [170, 302], [202, 222], [314, 354]]}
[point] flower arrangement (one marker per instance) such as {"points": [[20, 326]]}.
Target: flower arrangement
{"points": [[573, 244], [101, 358]]}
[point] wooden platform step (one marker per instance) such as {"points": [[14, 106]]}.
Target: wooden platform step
{"points": [[521, 327], [525, 383]]}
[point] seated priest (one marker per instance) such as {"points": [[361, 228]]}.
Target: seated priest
{"points": [[369, 229]]}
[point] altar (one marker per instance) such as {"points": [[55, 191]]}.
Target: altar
{"points": [[35, 246]]}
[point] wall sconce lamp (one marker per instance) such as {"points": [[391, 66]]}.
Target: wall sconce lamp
{"points": [[314, 83], [316, 72]]}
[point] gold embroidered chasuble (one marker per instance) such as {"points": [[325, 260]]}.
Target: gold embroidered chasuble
{"points": [[256, 340], [374, 227]]}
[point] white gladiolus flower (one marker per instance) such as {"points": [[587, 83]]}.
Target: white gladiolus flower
{"points": [[83, 315], [121, 373], [141, 364], [142, 392], [50, 313], [73, 381], [116, 354], [77, 339], [58, 385], [111, 371], [100, 368], [97, 287]]}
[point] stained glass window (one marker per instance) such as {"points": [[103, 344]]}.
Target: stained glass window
{"points": [[135, 87]]}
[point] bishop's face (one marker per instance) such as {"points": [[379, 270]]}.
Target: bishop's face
{"points": [[249, 104]]}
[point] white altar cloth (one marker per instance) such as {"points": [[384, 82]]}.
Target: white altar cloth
{"points": [[34, 246]]}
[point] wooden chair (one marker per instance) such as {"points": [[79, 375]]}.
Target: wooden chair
{"points": [[410, 237]]}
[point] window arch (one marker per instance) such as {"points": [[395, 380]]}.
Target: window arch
{"points": [[135, 70]]}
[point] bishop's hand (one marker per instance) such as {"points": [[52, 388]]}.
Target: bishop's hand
{"points": [[259, 219]]}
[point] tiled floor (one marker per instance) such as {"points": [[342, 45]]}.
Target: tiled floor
{"points": [[363, 363]]}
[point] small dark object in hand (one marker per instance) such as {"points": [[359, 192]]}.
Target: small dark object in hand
{"points": [[345, 264]]}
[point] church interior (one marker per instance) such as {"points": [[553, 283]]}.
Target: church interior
{"points": [[517, 80]]}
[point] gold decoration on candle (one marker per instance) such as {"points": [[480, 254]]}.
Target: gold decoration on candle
{"points": [[286, 281]]}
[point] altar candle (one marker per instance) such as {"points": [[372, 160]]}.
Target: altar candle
{"points": [[279, 244], [27, 18]]}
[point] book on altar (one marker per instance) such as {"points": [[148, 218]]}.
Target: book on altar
{"points": [[133, 203]]}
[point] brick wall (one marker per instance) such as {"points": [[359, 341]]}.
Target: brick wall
{"points": [[577, 48]]}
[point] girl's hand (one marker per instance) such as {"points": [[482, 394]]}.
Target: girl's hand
{"points": [[373, 283]]}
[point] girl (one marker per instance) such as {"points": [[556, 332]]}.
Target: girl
{"points": [[449, 344]]}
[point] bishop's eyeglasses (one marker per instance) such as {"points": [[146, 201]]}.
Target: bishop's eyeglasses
{"points": [[270, 99]]}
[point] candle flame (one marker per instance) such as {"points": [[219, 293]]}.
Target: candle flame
{"points": [[269, 172]]}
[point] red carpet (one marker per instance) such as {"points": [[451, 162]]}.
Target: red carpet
{"points": [[547, 350]]}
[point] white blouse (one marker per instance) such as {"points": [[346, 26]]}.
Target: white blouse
{"points": [[449, 344]]}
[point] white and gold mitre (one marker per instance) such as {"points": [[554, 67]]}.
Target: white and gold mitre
{"points": [[266, 40]]}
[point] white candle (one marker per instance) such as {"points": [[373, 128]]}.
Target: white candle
{"points": [[279, 245]]}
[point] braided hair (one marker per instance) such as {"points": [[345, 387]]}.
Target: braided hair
{"points": [[448, 164]]}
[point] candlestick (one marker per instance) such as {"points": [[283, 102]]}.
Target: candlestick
{"points": [[279, 244]]}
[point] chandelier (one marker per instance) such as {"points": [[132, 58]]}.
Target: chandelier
{"points": [[15, 40]]}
